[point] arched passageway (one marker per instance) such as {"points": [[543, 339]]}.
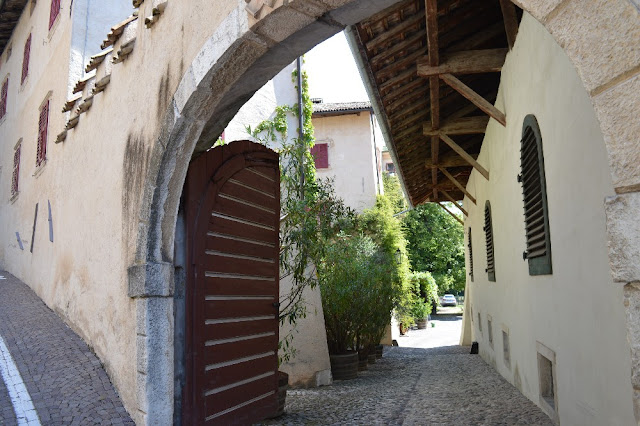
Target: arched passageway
{"points": [[250, 46]]}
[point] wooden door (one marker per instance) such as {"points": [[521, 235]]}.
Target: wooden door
{"points": [[232, 208]]}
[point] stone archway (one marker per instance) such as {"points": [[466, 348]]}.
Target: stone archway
{"points": [[250, 46]]}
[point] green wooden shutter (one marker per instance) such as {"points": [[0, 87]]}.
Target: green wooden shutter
{"points": [[470, 256], [534, 194], [488, 232]]}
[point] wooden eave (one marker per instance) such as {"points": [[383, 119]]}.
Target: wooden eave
{"points": [[419, 97], [10, 12]]}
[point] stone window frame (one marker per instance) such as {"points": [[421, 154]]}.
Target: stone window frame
{"points": [[490, 330], [506, 346], [15, 176], [546, 361]]}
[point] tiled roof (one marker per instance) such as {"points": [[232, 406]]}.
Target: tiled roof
{"points": [[337, 108]]}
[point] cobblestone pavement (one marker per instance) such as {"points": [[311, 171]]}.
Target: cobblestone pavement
{"points": [[409, 386], [65, 380]]}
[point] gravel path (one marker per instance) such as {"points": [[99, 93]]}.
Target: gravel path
{"points": [[409, 386]]}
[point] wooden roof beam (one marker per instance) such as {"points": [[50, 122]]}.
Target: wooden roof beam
{"points": [[457, 148], [458, 185], [431, 16], [451, 213], [451, 162], [510, 21], [455, 203], [474, 97], [465, 62], [460, 126]]}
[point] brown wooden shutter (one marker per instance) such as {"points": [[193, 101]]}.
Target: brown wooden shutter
{"points": [[3, 98], [488, 232], [469, 245], [16, 171], [55, 11], [534, 194], [42, 134], [320, 153], [25, 59]]}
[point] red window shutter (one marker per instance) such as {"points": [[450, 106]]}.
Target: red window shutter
{"points": [[55, 11], [42, 134], [25, 59], [3, 98], [16, 171], [320, 153]]}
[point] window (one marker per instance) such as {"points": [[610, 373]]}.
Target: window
{"points": [[16, 171], [488, 232], [55, 11], [479, 322], [25, 59], [42, 134], [470, 256], [3, 98], [320, 155], [547, 380], [391, 168], [506, 352], [490, 330], [534, 194]]}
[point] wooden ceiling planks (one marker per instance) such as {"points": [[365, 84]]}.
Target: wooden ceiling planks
{"points": [[463, 39]]}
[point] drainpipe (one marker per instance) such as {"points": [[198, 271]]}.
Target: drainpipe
{"points": [[300, 123]]}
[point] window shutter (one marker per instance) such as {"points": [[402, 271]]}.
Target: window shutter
{"points": [[534, 194], [3, 98], [320, 153], [16, 170], [42, 134], [470, 256], [488, 232], [55, 11], [25, 59]]}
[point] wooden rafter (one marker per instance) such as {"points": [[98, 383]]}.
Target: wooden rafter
{"points": [[474, 97], [460, 126], [456, 161], [465, 62], [394, 31], [431, 16], [510, 21], [455, 203], [452, 214], [457, 148], [458, 184]]}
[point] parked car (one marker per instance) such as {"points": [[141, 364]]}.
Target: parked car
{"points": [[448, 300]]}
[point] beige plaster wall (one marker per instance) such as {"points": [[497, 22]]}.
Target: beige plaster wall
{"points": [[352, 162], [578, 311]]}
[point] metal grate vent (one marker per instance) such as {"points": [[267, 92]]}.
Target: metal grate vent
{"points": [[534, 195], [488, 232]]}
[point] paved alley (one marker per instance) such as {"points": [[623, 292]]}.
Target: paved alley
{"points": [[48, 375], [416, 386]]}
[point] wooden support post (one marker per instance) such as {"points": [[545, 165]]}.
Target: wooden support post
{"points": [[478, 100], [452, 214], [458, 185], [457, 148], [455, 203], [460, 126], [466, 62], [431, 16], [510, 21]]}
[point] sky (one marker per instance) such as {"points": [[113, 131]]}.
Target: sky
{"points": [[333, 75]]}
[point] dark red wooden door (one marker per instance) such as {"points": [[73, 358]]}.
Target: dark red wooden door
{"points": [[232, 208]]}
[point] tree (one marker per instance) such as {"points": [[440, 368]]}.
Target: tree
{"points": [[436, 244]]}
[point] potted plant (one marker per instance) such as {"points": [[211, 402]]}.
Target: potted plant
{"points": [[420, 312]]}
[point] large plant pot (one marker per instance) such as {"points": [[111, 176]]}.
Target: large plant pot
{"points": [[363, 360], [379, 351], [422, 324], [344, 366], [372, 358], [283, 385]]}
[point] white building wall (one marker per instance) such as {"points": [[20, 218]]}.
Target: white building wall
{"points": [[352, 162], [576, 312]]}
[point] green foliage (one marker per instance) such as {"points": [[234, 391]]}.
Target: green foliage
{"points": [[436, 244], [393, 192], [426, 290]]}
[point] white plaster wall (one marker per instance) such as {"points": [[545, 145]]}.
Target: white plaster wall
{"points": [[352, 162], [578, 311]]}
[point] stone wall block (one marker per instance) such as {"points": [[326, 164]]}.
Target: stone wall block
{"points": [[618, 110], [271, 25], [600, 37], [309, 7], [539, 9], [623, 229], [632, 306], [151, 279]]}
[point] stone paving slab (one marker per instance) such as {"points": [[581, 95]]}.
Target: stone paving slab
{"points": [[64, 378], [409, 386]]}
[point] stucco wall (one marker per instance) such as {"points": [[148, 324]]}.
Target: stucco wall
{"points": [[352, 162], [578, 311]]}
